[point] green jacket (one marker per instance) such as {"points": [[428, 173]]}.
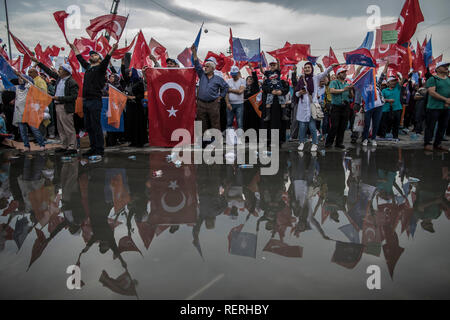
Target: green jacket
{"points": [[70, 89]]}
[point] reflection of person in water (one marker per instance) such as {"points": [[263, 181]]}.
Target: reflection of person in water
{"points": [[98, 216]]}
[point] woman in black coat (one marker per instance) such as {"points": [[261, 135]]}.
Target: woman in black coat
{"points": [[136, 121], [251, 118]]}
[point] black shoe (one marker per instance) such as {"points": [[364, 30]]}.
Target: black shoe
{"points": [[60, 150], [340, 146], [353, 141], [98, 153], [88, 153], [267, 118], [328, 146], [71, 152]]}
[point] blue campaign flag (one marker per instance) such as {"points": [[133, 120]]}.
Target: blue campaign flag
{"points": [[428, 54], [197, 42], [246, 50], [312, 59], [361, 56], [365, 83], [368, 41], [104, 118], [7, 73]]}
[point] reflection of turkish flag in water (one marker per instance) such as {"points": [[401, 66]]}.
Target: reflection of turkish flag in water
{"points": [[38, 247], [171, 105], [123, 285], [121, 197], [126, 244], [347, 254], [283, 249], [174, 195], [40, 201]]}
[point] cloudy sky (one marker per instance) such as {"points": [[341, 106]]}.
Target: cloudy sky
{"points": [[175, 23]]}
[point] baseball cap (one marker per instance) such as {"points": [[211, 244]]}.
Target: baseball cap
{"points": [[95, 52], [212, 59], [440, 64], [67, 67], [341, 69], [273, 62], [234, 70]]}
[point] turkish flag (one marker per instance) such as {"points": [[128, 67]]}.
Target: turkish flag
{"points": [[411, 16], [172, 104], [141, 53], [185, 57], [402, 60], [123, 285], [126, 244], [120, 53], [219, 58], [22, 48], [173, 197], [121, 196], [16, 63], [112, 23], [330, 59], [102, 46], [43, 56], [84, 45], [38, 247], [60, 17], [383, 50], [291, 52], [4, 54], [283, 249], [418, 62], [158, 51], [35, 104]]}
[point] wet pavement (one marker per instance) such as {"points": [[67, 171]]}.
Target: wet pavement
{"points": [[224, 232]]}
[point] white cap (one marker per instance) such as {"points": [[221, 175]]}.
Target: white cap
{"points": [[440, 64], [391, 79], [67, 67], [234, 70], [341, 69], [212, 59]]}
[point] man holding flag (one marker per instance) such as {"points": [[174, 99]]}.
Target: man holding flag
{"points": [[65, 96], [94, 82]]}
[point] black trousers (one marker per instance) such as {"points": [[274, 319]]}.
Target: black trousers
{"points": [[92, 110], [441, 116], [390, 122], [339, 119]]}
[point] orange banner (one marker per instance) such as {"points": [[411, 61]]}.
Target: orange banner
{"points": [[117, 102], [35, 105]]}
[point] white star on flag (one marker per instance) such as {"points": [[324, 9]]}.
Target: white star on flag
{"points": [[172, 112], [173, 185], [36, 106]]}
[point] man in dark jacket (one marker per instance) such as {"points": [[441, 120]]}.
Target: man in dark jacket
{"points": [[65, 97], [93, 83]]}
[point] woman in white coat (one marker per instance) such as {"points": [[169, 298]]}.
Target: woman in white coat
{"points": [[307, 91]]}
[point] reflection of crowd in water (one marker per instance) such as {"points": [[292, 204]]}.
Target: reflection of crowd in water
{"points": [[371, 199]]}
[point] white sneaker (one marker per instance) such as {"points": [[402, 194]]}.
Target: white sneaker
{"points": [[365, 142], [314, 148], [373, 142], [301, 146]]}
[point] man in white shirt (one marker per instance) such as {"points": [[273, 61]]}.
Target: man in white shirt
{"points": [[236, 98]]}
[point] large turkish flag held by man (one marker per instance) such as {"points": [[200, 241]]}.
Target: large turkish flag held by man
{"points": [[172, 104]]}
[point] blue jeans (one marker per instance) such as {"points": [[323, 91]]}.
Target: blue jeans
{"points": [[303, 126], [238, 110], [92, 110], [23, 129], [373, 115]]}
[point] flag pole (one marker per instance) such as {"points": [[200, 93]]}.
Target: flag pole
{"points": [[7, 27]]}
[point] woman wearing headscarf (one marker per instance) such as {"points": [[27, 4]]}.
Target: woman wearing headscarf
{"points": [[251, 118], [23, 84], [136, 120], [305, 93]]}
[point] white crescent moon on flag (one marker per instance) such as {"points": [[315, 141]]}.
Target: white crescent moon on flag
{"points": [[383, 51], [171, 85], [100, 43], [153, 52], [174, 208], [119, 28]]}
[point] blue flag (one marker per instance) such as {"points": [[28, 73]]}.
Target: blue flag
{"points": [[246, 50], [428, 53], [368, 41], [197, 42], [361, 56], [7, 73], [312, 59], [365, 83]]}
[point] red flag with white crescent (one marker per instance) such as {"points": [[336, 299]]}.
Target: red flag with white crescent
{"points": [[172, 104], [158, 51], [140, 53], [112, 23], [173, 199]]}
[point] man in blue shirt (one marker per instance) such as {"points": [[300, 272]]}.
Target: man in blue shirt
{"points": [[211, 89]]}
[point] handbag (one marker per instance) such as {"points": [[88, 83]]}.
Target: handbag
{"points": [[316, 108]]}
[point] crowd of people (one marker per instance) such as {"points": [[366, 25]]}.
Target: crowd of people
{"points": [[319, 107]]}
